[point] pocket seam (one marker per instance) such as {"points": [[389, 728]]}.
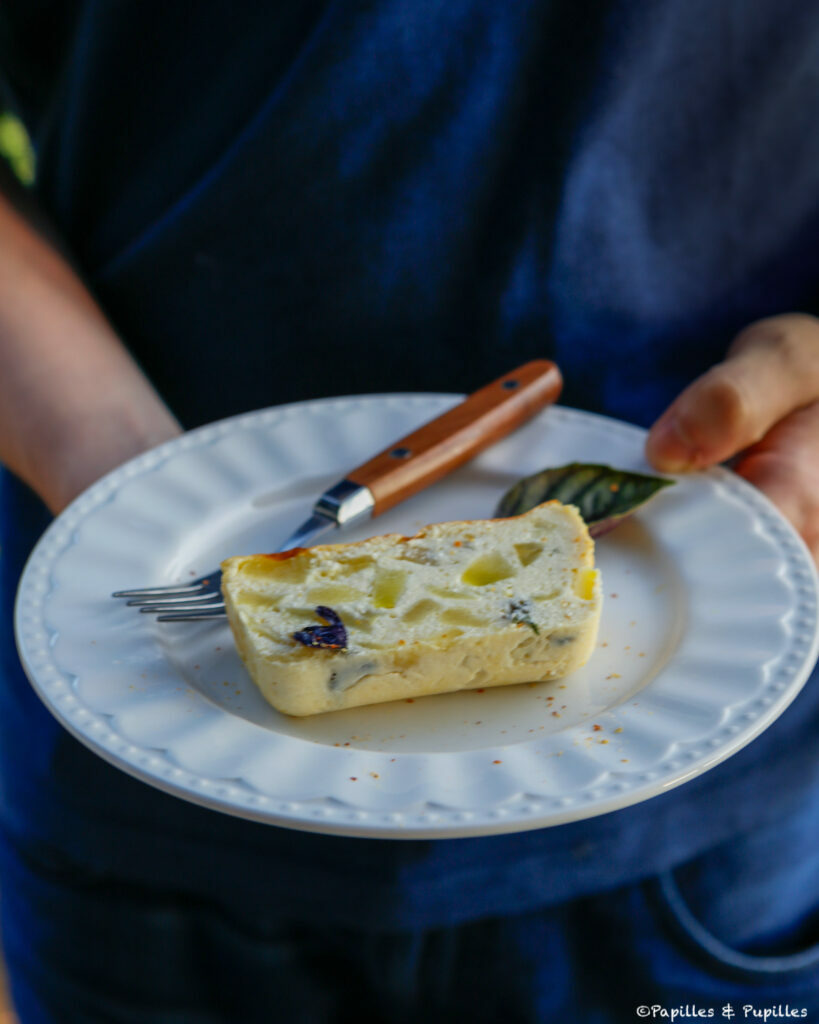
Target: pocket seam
{"points": [[717, 951]]}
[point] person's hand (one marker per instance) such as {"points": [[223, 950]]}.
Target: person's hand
{"points": [[760, 406]]}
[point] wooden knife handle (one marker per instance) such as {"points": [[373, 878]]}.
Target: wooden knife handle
{"points": [[432, 451]]}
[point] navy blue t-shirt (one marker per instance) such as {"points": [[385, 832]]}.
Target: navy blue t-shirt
{"points": [[290, 201]]}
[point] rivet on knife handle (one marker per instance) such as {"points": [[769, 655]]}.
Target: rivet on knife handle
{"points": [[438, 447]]}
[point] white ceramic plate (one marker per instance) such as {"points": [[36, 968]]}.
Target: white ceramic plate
{"points": [[709, 630]]}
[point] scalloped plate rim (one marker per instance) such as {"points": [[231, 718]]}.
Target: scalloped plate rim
{"points": [[329, 815]]}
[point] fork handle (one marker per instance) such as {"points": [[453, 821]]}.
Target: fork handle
{"points": [[438, 447]]}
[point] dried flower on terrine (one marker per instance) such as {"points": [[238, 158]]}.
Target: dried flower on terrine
{"points": [[332, 636]]}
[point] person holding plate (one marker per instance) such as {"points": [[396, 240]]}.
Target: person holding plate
{"points": [[237, 209]]}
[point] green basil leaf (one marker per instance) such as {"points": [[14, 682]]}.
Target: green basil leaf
{"points": [[604, 496]]}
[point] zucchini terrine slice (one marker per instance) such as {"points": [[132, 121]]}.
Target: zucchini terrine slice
{"points": [[459, 605]]}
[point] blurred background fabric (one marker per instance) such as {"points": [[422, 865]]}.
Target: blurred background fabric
{"points": [[16, 150]]}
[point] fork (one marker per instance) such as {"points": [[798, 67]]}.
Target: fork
{"points": [[399, 471]]}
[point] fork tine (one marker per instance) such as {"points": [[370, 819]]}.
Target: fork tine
{"points": [[183, 607], [158, 603], [216, 611], [187, 588]]}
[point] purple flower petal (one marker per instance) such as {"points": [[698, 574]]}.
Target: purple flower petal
{"points": [[331, 637]]}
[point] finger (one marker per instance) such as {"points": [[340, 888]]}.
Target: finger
{"points": [[785, 465], [772, 368]]}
